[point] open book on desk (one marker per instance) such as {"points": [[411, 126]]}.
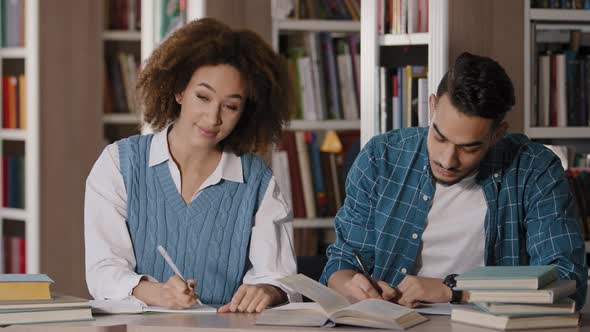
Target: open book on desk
{"points": [[131, 305], [332, 308]]}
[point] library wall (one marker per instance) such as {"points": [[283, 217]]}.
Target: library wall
{"points": [[71, 133], [493, 29]]}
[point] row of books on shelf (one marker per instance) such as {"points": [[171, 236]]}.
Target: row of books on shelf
{"points": [[12, 254], [311, 179], [402, 16], [563, 85], [12, 23], [561, 4], [13, 181], [14, 109], [517, 297], [324, 69], [403, 97], [122, 15], [121, 72], [325, 9], [26, 299]]}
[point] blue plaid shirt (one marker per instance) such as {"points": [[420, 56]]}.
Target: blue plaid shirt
{"points": [[530, 220]]}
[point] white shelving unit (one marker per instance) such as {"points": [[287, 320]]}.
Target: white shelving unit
{"points": [[29, 136], [548, 19], [147, 40], [436, 40], [285, 26]]}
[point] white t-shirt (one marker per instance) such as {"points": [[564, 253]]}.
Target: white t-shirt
{"points": [[454, 238]]}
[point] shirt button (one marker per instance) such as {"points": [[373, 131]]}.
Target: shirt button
{"points": [[404, 270], [414, 236], [425, 197]]}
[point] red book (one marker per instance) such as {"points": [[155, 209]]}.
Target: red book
{"points": [[288, 144]]}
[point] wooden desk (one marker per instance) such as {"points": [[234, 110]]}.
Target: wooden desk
{"points": [[229, 322]]}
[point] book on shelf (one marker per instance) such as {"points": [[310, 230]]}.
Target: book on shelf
{"points": [[324, 70], [403, 16], [561, 307], [325, 10], [403, 97], [333, 308], [507, 277], [548, 294], [479, 318], [122, 15], [25, 287], [12, 23]]}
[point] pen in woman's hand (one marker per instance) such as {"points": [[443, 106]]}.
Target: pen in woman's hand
{"points": [[175, 269], [366, 273]]}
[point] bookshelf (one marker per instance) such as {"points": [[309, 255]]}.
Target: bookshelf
{"points": [[318, 27], [374, 45], [543, 26], [22, 137]]}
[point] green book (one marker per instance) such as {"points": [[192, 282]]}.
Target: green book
{"points": [[507, 277]]}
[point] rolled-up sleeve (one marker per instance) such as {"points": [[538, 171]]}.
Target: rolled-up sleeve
{"points": [[354, 220]]}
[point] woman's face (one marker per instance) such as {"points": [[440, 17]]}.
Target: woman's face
{"points": [[211, 104]]}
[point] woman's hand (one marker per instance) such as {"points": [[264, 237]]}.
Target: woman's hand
{"points": [[254, 298], [173, 294]]}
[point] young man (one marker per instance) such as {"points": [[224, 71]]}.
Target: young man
{"points": [[425, 204]]}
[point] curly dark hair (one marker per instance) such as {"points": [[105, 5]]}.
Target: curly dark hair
{"points": [[478, 85], [270, 99]]}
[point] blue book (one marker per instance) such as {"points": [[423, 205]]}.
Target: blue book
{"points": [[507, 277]]}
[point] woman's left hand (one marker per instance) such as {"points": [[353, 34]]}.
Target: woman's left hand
{"points": [[254, 298]]}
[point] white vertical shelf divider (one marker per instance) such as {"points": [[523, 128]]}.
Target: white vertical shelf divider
{"points": [[32, 171], [438, 54], [369, 63]]}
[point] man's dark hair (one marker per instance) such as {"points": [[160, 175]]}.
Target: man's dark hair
{"points": [[478, 85]]}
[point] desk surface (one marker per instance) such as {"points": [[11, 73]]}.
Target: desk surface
{"points": [[228, 322]]}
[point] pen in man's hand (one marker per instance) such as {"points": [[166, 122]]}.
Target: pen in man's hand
{"points": [[366, 274], [173, 266]]}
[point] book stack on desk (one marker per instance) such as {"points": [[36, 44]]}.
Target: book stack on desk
{"points": [[517, 297], [26, 299]]}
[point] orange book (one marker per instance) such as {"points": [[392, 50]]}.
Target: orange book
{"points": [[25, 287], [12, 102]]}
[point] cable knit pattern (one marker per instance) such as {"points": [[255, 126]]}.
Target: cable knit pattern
{"points": [[208, 238]]}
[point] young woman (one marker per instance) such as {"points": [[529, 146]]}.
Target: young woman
{"points": [[213, 96]]}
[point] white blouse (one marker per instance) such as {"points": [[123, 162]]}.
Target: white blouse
{"points": [[110, 261]]}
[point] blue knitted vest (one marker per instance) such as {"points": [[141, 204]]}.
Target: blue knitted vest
{"points": [[208, 238]]}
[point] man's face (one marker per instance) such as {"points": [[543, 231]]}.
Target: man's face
{"points": [[457, 142]]}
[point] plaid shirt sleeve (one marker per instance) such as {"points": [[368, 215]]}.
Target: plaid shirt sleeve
{"points": [[553, 234], [354, 230]]}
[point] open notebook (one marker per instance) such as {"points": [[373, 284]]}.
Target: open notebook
{"points": [[332, 308], [131, 305]]}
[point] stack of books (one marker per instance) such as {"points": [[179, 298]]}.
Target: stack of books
{"points": [[517, 297], [26, 299]]}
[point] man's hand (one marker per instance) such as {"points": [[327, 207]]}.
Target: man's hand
{"points": [[414, 290], [254, 298], [356, 287]]}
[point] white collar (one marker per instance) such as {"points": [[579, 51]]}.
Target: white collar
{"points": [[229, 167]]}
